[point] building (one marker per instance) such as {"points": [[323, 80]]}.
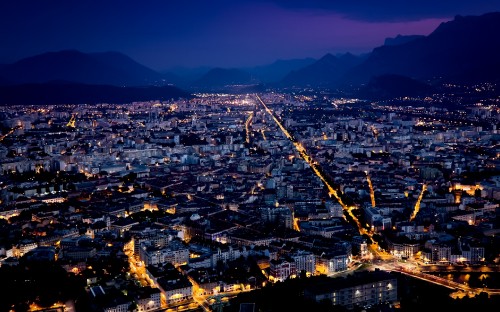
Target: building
{"points": [[402, 249], [174, 286], [360, 246], [281, 216], [175, 290], [148, 299], [24, 247], [304, 261], [280, 270], [332, 262], [151, 255], [358, 290], [108, 299], [226, 253]]}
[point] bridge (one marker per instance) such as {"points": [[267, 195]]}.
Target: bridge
{"points": [[438, 268]]}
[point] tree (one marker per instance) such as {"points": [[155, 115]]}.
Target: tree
{"points": [[133, 307], [43, 283], [129, 178]]}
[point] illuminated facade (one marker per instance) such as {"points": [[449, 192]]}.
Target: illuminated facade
{"points": [[304, 261], [174, 292], [148, 300], [361, 290], [403, 250], [332, 263], [156, 256], [228, 253], [280, 270]]}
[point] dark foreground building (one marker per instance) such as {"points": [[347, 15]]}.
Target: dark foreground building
{"points": [[361, 289]]}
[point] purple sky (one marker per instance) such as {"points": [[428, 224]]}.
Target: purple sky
{"points": [[166, 33]]}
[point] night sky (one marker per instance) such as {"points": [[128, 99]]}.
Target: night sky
{"points": [[227, 33]]}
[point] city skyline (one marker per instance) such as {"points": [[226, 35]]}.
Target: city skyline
{"points": [[338, 155], [162, 35]]}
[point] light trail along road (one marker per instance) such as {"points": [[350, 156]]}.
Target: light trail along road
{"points": [[315, 167], [388, 263]]}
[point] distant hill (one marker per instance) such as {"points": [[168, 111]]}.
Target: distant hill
{"points": [[174, 79], [221, 77], [324, 72], [72, 93], [277, 70], [210, 78], [184, 76], [394, 86], [465, 50], [108, 68]]}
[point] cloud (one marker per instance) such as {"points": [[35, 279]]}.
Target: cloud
{"points": [[161, 33], [393, 10]]}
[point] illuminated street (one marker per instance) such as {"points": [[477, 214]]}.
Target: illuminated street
{"points": [[315, 167], [2, 137], [248, 122], [370, 185], [249, 156], [417, 204]]}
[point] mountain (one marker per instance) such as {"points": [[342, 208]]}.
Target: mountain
{"points": [[325, 72], [74, 93], [109, 68], [188, 75], [462, 50], [400, 39], [217, 78], [394, 86], [200, 77], [277, 70]]}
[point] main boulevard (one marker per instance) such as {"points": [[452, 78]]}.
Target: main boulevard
{"points": [[384, 260]]}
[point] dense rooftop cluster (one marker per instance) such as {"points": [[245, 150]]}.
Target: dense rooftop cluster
{"points": [[169, 204]]}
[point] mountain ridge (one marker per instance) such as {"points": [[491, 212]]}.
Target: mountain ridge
{"points": [[461, 50], [217, 78], [325, 72], [104, 68], [447, 54]]}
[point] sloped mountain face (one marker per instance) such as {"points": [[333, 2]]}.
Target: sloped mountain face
{"points": [[463, 50], [278, 70], [131, 67], [323, 73], [109, 68], [393, 86], [400, 39], [220, 77], [187, 75]]}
